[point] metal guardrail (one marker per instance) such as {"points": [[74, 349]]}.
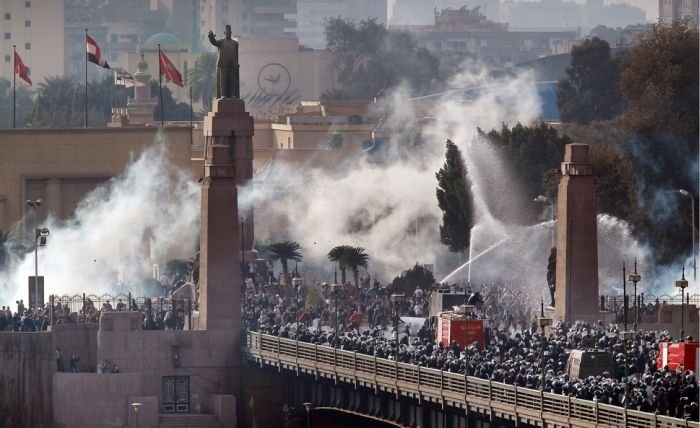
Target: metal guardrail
{"points": [[445, 388]]}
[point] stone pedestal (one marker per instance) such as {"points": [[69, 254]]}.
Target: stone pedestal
{"points": [[577, 238], [228, 157]]}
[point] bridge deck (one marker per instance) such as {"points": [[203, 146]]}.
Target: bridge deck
{"points": [[446, 389]]}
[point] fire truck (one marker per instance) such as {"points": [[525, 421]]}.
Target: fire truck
{"points": [[684, 354], [456, 325]]}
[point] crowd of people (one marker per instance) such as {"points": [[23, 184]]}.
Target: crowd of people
{"points": [[516, 352]]}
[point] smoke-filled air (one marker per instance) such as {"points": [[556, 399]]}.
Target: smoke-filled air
{"points": [[388, 207], [148, 212]]}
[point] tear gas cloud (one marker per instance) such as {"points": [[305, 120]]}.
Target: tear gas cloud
{"points": [[387, 207], [151, 210]]}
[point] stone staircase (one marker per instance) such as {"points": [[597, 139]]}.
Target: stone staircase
{"points": [[188, 420]]}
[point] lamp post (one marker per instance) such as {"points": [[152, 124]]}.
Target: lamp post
{"points": [[34, 205], [692, 226], [682, 284], [308, 406], [626, 336], [466, 309], [335, 289], [543, 322], [136, 406], [634, 278], [546, 200], [397, 299]]}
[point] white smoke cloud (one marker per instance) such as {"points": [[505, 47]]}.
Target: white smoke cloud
{"points": [[150, 212]]}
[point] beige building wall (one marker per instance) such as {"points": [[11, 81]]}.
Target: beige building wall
{"points": [[62, 165], [37, 29]]}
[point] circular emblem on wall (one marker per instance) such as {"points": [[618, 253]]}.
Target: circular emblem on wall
{"points": [[274, 79]]}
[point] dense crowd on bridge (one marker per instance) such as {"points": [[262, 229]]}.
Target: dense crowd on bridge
{"points": [[515, 351]]}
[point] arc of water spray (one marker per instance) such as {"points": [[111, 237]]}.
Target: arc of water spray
{"points": [[491, 248]]}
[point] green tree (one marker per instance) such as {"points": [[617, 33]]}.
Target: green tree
{"points": [[532, 151], [591, 89], [416, 277], [23, 107], [615, 183], [660, 82], [336, 255], [57, 104], [370, 59], [202, 78], [355, 258], [172, 109], [455, 200], [284, 252]]}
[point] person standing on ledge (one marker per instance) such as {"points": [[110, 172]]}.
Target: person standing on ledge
{"points": [[227, 81]]}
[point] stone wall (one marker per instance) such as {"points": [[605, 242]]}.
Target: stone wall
{"points": [[80, 338], [93, 400], [27, 365]]}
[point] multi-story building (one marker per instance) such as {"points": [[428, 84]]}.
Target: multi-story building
{"points": [[248, 18], [311, 17], [36, 28], [674, 10], [465, 33]]}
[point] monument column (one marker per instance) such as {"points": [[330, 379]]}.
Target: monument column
{"points": [[577, 238], [228, 154]]}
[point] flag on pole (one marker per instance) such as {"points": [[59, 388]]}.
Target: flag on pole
{"points": [[124, 78], [168, 70], [93, 52], [22, 70]]}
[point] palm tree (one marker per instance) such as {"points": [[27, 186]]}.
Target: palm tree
{"points": [[337, 254], [58, 104], [202, 78], [354, 258], [285, 251]]}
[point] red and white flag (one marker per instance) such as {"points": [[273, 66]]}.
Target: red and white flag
{"points": [[168, 70], [22, 70], [93, 52]]}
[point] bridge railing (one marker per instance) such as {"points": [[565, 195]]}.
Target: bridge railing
{"points": [[443, 387]]}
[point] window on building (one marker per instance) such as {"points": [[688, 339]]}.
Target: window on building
{"points": [[27, 4], [113, 38], [8, 16], [28, 23], [8, 36], [27, 46], [7, 58], [113, 57]]}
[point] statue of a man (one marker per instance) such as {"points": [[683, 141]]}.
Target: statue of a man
{"points": [[227, 79]]}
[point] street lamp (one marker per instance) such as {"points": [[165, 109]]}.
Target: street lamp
{"points": [[544, 322], [466, 309], [34, 205], [692, 226], [545, 200], [136, 406], [634, 278], [308, 406], [682, 284], [397, 299], [335, 289], [626, 336]]}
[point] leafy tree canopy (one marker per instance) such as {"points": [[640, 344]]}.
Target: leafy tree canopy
{"points": [[416, 277], [591, 90], [455, 200], [371, 59], [660, 82], [23, 107]]}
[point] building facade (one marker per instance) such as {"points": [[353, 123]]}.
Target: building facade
{"points": [[37, 30], [675, 10]]}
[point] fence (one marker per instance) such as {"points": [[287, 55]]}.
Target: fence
{"points": [[445, 388], [78, 303]]}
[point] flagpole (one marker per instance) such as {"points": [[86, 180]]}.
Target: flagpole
{"points": [[14, 84], [160, 86], [86, 88], [191, 127]]}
